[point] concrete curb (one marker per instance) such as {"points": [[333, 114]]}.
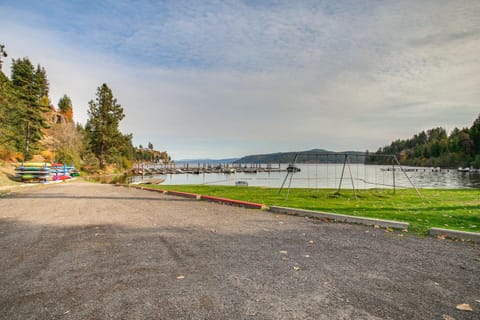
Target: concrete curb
{"points": [[245, 204], [455, 234], [341, 217], [183, 194], [172, 193], [239, 203]]}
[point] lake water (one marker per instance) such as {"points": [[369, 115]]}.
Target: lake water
{"points": [[329, 175]]}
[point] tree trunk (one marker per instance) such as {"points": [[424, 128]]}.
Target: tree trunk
{"points": [[26, 154]]}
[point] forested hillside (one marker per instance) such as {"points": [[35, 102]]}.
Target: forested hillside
{"points": [[151, 155], [32, 128], [436, 147]]}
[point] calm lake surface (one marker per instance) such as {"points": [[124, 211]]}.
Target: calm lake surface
{"points": [[329, 176]]}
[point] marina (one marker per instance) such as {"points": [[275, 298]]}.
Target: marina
{"points": [[203, 168], [311, 176]]}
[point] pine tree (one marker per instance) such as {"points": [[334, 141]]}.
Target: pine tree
{"points": [[65, 107], [8, 115], [102, 128], [42, 81], [31, 85], [8, 99], [3, 54], [475, 135]]}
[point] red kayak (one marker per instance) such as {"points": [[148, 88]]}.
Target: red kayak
{"points": [[56, 178]]}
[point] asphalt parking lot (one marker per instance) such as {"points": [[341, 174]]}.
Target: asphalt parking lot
{"points": [[91, 251]]}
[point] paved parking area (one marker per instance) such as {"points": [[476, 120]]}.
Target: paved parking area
{"points": [[91, 251]]}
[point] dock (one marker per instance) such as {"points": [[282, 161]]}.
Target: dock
{"points": [[202, 168]]}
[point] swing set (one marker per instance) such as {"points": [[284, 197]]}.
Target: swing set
{"points": [[346, 161]]}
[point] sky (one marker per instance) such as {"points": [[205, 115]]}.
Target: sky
{"points": [[220, 79]]}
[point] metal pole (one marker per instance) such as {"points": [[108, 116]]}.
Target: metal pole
{"points": [[343, 170], [289, 184], [408, 178], [351, 178], [283, 183], [393, 172], [288, 172]]}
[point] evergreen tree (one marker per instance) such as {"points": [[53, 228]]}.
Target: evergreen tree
{"points": [[466, 144], [8, 100], [3, 54], [9, 140], [102, 128], [42, 81], [126, 151], [31, 87], [475, 136], [65, 107], [150, 146]]}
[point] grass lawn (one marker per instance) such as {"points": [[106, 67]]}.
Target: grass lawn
{"points": [[449, 209]]}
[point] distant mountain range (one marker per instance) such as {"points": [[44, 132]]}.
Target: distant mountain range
{"points": [[309, 156]]}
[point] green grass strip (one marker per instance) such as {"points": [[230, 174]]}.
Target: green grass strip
{"points": [[441, 208]]}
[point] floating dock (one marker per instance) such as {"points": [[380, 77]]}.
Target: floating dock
{"points": [[163, 169]]}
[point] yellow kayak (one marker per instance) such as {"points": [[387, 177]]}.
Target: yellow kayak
{"points": [[36, 164]]}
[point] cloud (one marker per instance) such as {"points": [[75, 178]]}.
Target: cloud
{"points": [[228, 78]]}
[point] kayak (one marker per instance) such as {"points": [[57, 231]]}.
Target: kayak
{"points": [[34, 172], [61, 178], [44, 171], [32, 176], [36, 164], [31, 169]]}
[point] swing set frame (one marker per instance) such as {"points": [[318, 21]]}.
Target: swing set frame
{"points": [[347, 165]]}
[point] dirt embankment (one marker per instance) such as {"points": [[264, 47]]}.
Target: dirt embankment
{"points": [[7, 171]]}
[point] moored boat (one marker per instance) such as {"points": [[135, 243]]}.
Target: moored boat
{"points": [[293, 168]]}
